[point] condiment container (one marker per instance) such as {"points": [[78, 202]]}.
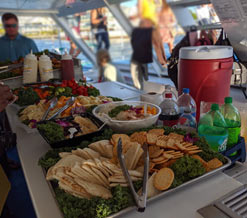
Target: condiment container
{"points": [[45, 68], [67, 72], [30, 72]]}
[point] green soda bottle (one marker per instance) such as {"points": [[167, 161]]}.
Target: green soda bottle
{"points": [[233, 122], [212, 126]]}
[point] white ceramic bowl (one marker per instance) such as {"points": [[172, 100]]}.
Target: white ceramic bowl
{"points": [[126, 125]]}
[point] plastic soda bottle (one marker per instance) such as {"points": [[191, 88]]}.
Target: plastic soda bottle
{"points": [[168, 89], [170, 111], [212, 126], [233, 122], [186, 102]]}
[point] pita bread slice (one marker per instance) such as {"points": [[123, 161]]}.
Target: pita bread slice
{"points": [[101, 175], [81, 153], [91, 172], [121, 179], [91, 153], [83, 174], [64, 154], [72, 192], [138, 156], [68, 161], [130, 156], [104, 147], [72, 186], [104, 169], [94, 189], [152, 191], [131, 173], [50, 173]]}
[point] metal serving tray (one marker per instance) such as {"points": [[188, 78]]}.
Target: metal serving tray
{"points": [[163, 194]]}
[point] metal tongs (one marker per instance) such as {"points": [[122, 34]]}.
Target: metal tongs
{"points": [[8, 68], [141, 200], [69, 103], [53, 103]]}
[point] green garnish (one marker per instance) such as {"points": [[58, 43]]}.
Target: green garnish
{"points": [[52, 131], [27, 96], [185, 169], [115, 111]]}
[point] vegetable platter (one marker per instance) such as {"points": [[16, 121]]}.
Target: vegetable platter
{"points": [[32, 94], [88, 181]]}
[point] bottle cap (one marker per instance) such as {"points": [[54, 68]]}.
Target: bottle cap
{"points": [[214, 107], [228, 100], [186, 90], [66, 57], [44, 57], [31, 56], [168, 95]]}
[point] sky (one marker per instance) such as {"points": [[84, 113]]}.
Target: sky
{"points": [[130, 3]]}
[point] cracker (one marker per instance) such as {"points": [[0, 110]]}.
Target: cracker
{"points": [[194, 151], [214, 164], [176, 136], [151, 139], [157, 131], [168, 156], [162, 161], [158, 159], [162, 141], [156, 153], [140, 137], [163, 179], [166, 164]]}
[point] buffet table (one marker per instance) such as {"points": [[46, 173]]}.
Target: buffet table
{"points": [[183, 203]]}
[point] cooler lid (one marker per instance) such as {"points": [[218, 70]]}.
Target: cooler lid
{"points": [[208, 52]]}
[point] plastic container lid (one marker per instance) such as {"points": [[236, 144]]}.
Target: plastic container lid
{"points": [[31, 56], [44, 57], [168, 95], [205, 52], [66, 57], [215, 107], [186, 90], [228, 100]]}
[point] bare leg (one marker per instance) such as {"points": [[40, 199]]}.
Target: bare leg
{"points": [[158, 47]]}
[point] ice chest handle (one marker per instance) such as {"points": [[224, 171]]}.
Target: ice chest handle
{"points": [[222, 65], [226, 65]]}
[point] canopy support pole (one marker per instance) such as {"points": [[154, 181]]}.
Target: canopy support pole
{"points": [[126, 25], [80, 43]]}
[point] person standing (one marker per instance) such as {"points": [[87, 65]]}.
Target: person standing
{"points": [[14, 45], [107, 71], [167, 21], [99, 28]]}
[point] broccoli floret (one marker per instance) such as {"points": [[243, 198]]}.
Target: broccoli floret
{"points": [[26, 96]]}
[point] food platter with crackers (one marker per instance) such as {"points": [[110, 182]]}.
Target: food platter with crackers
{"points": [[90, 174]]}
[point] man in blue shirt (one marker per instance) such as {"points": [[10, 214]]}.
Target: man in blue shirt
{"points": [[14, 45]]}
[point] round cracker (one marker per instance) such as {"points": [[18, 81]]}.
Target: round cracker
{"points": [[163, 179]]}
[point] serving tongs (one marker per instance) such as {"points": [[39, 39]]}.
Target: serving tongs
{"points": [[140, 200], [69, 103], [8, 68], [53, 103]]}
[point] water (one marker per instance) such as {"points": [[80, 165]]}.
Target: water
{"points": [[120, 50]]}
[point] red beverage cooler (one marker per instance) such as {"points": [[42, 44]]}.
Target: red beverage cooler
{"points": [[206, 71]]}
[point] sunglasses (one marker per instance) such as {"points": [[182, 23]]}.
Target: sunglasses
{"points": [[10, 25]]}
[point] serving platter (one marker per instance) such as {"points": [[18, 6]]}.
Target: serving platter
{"points": [[164, 194]]}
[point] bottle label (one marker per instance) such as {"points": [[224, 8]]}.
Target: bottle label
{"points": [[233, 135], [222, 147]]}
